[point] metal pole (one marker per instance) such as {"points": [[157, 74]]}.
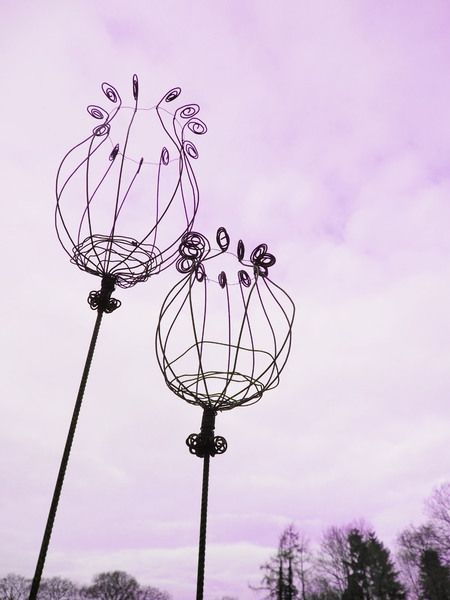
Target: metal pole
{"points": [[202, 537], [103, 303], [204, 445]]}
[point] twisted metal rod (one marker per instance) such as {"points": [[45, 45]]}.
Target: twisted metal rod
{"points": [[102, 302], [219, 370], [202, 536], [204, 445]]}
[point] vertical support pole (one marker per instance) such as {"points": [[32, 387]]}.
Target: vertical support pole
{"points": [[204, 445], [202, 536], [102, 302], [206, 450]]}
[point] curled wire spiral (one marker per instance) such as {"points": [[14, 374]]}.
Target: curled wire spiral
{"points": [[132, 173], [222, 341], [206, 443]]}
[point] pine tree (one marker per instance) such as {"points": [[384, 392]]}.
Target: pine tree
{"points": [[371, 573], [384, 581], [434, 578], [357, 566]]}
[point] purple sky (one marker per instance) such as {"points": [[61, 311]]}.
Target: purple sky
{"points": [[329, 139]]}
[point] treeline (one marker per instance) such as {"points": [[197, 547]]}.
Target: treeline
{"points": [[114, 585], [352, 563]]}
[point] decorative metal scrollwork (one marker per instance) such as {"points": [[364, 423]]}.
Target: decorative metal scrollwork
{"points": [[201, 445], [101, 299], [220, 444], [107, 305]]}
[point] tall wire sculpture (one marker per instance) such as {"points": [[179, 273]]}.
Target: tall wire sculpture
{"points": [[221, 341], [109, 185]]}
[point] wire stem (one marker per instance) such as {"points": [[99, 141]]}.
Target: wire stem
{"points": [[65, 459], [203, 519]]}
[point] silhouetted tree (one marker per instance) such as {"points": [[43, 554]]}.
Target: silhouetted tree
{"points": [[357, 566], [411, 544], [433, 535], [384, 581], [434, 579], [438, 508], [57, 588], [286, 573], [114, 585], [371, 573], [152, 593], [14, 587], [333, 560], [321, 590]]}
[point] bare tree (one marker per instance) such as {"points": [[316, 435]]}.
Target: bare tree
{"points": [[438, 509], [412, 542], [152, 593], [286, 574], [334, 556], [322, 590], [434, 535], [14, 587], [114, 585], [57, 588]]}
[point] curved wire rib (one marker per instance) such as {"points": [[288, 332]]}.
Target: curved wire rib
{"points": [[117, 174], [220, 345]]}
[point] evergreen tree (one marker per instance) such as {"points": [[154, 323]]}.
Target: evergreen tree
{"points": [[434, 578], [371, 573], [357, 567], [384, 580]]}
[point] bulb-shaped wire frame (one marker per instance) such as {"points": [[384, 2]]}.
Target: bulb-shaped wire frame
{"points": [[120, 214], [222, 340], [127, 193]]}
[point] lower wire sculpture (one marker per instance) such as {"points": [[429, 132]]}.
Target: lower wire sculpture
{"points": [[102, 302], [221, 342]]}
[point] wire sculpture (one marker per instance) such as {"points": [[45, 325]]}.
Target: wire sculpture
{"points": [[125, 190], [106, 188], [221, 341]]}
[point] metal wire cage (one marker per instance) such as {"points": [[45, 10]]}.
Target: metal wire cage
{"points": [[133, 173], [223, 338]]}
